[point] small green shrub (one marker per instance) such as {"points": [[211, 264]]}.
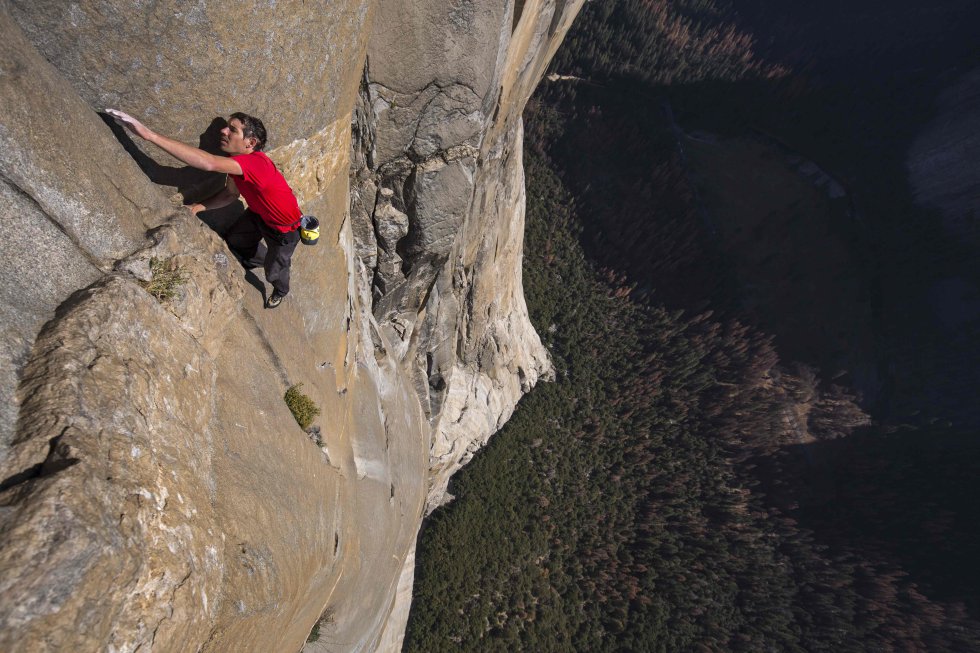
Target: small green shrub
{"points": [[167, 278], [325, 619], [315, 633], [302, 407]]}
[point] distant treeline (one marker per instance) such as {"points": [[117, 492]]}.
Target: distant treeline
{"points": [[678, 488], [662, 42]]}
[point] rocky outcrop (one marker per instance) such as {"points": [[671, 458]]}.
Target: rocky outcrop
{"points": [[438, 207], [156, 493]]}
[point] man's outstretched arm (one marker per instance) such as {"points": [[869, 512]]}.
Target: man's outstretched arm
{"points": [[192, 156]]}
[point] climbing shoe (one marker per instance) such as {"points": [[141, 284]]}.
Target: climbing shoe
{"points": [[274, 299]]}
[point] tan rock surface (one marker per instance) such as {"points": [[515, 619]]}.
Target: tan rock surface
{"points": [[65, 220], [180, 64], [155, 492]]}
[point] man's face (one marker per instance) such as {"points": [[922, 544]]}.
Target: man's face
{"points": [[233, 139]]}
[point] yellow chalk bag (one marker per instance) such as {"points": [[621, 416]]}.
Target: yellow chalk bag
{"points": [[309, 230]]}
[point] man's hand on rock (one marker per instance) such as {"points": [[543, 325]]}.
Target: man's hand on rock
{"points": [[130, 123], [196, 208]]}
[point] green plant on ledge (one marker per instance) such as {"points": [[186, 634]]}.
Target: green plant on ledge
{"points": [[325, 619], [314, 635], [302, 407], [166, 278]]}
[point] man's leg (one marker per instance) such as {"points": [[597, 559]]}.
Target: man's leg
{"points": [[279, 258], [244, 238]]}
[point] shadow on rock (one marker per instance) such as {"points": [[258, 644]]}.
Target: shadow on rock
{"points": [[256, 283], [192, 184]]}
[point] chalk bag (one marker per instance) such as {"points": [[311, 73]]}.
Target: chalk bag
{"points": [[309, 230]]}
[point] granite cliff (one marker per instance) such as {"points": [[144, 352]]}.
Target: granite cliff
{"points": [[156, 492]]}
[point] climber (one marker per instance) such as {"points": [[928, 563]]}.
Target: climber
{"points": [[273, 213]]}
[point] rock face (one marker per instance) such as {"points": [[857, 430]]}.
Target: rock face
{"points": [[155, 492], [438, 195]]}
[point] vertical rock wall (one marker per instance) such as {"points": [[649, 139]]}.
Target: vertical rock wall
{"points": [[438, 206], [155, 493]]}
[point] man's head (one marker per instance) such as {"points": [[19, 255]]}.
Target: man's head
{"points": [[243, 134]]}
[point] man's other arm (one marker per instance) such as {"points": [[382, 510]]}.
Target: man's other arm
{"points": [[224, 197]]}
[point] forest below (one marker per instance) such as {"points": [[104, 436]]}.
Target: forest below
{"points": [[757, 439]]}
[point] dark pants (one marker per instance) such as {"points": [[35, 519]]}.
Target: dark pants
{"points": [[245, 240]]}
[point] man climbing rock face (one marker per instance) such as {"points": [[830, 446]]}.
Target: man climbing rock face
{"points": [[273, 213]]}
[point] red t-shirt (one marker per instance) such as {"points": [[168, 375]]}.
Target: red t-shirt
{"points": [[266, 191]]}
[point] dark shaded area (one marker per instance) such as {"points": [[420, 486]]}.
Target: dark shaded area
{"points": [[678, 488], [54, 462], [621, 508], [191, 183], [848, 88], [906, 497], [862, 129], [641, 214], [871, 39], [194, 185], [858, 84], [256, 283], [220, 220]]}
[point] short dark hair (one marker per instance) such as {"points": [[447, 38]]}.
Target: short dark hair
{"points": [[252, 127]]}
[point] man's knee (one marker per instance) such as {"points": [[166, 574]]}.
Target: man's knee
{"points": [[281, 248]]}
